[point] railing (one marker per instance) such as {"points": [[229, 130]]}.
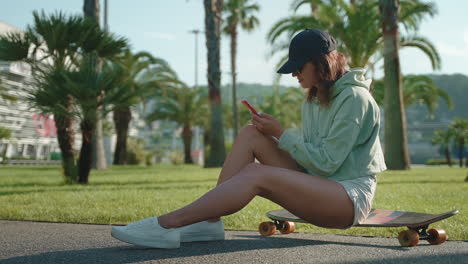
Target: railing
{"points": [[33, 162]]}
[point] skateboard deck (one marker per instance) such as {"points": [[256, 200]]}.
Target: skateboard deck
{"points": [[417, 224]]}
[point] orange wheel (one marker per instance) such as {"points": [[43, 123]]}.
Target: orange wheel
{"points": [[437, 236], [408, 238], [267, 228], [289, 227]]}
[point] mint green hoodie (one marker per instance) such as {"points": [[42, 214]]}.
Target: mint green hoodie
{"points": [[341, 141]]}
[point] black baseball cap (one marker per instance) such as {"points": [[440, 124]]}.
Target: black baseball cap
{"points": [[304, 46]]}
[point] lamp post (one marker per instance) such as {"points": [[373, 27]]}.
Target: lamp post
{"points": [[196, 129], [196, 32]]}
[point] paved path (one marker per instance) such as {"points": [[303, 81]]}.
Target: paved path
{"points": [[34, 242]]}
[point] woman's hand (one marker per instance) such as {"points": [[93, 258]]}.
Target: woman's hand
{"points": [[267, 125]]}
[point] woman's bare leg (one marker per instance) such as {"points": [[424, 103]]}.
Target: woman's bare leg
{"points": [[248, 145], [318, 200]]}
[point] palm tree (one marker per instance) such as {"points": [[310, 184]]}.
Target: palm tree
{"points": [[443, 138], [416, 89], [396, 144], [213, 9], [314, 4], [185, 106], [286, 107], [357, 28], [58, 46], [144, 73], [238, 12], [91, 10], [459, 130], [84, 85], [61, 52]]}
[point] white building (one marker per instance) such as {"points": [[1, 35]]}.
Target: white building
{"points": [[33, 135]]}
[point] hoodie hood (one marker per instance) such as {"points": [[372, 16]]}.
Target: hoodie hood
{"points": [[355, 77]]}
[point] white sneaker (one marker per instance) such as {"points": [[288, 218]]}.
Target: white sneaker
{"points": [[148, 233], [202, 231]]}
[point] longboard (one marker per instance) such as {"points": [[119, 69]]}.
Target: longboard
{"points": [[417, 224]]}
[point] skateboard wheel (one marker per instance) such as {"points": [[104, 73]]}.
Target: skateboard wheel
{"points": [[436, 236], [289, 227], [267, 228], [408, 238]]}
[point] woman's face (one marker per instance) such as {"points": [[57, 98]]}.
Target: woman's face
{"points": [[306, 75]]}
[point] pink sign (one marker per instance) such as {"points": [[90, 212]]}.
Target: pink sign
{"points": [[44, 125]]}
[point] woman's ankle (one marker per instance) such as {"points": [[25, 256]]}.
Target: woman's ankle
{"points": [[164, 223], [214, 220]]}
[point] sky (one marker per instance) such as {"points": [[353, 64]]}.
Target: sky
{"points": [[163, 28]]}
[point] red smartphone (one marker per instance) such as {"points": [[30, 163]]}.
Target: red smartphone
{"points": [[250, 107]]}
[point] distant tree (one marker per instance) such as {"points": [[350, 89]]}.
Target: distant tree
{"points": [[143, 75], [416, 89], [459, 130], [443, 138], [185, 106], [286, 107], [238, 12]]}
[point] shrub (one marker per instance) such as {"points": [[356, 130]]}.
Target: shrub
{"points": [[176, 157], [440, 162], [136, 155]]}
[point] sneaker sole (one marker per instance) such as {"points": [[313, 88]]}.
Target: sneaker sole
{"points": [[193, 237], [144, 243]]}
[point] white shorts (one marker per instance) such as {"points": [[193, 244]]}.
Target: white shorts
{"points": [[361, 192]]}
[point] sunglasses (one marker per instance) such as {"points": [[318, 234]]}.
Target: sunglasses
{"points": [[298, 71]]}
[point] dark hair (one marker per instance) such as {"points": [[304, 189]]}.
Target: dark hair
{"points": [[329, 68]]}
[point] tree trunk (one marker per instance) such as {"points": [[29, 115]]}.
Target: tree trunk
{"points": [[122, 118], [396, 150], [234, 84], [66, 139], [187, 138], [213, 10], [85, 161], [313, 8], [91, 9], [461, 150], [99, 154], [447, 156]]}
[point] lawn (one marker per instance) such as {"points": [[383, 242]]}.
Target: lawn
{"points": [[121, 195]]}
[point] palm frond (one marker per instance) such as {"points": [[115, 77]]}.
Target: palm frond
{"points": [[425, 46], [14, 46]]}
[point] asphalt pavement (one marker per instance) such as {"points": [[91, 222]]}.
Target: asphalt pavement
{"points": [[38, 242]]}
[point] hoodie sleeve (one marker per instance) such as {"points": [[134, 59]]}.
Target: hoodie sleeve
{"points": [[325, 155]]}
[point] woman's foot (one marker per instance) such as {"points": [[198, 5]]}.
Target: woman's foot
{"points": [[148, 233]]}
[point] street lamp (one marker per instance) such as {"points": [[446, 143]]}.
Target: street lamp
{"points": [[196, 32], [197, 129]]}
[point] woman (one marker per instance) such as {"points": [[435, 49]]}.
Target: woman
{"points": [[326, 176]]}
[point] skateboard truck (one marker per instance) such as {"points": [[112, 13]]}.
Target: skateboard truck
{"points": [[411, 237]]}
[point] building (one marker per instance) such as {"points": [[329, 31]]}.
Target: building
{"points": [[33, 135]]}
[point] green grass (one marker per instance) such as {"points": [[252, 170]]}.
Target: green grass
{"points": [[124, 194]]}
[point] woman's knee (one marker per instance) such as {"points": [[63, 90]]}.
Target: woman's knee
{"points": [[254, 137], [248, 131], [254, 173]]}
